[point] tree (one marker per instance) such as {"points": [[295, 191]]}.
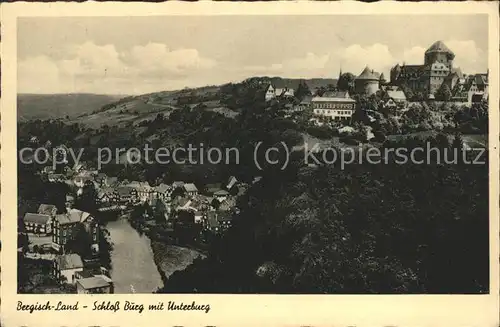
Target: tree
{"points": [[159, 212], [87, 201], [178, 191], [407, 91], [80, 243], [346, 82], [443, 93], [302, 90], [215, 204]]}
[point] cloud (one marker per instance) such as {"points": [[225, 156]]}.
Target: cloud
{"points": [[309, 65], [150, 67], [35, 73], [355, 57], [352, 59], [89, 67], [413, 56], [468, 56]]}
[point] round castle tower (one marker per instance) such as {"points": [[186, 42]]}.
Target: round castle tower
{"points": [[368, 82]]}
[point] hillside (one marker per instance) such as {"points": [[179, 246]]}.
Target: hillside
{"points": [[45, 106], [94, 110]]}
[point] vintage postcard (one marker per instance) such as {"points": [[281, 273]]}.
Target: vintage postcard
{"points": [[260, 164]]}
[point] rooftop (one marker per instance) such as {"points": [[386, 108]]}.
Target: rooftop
{"points": [[221, 193], [368, 74], [162, 188], [190, 187], [439, 46], [396, 95], [47, 209], [36, 218], [332, 99], [69, 261], [73, 216], [94, 282]]}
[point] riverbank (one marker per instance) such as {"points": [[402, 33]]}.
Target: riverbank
{"points": [[171, 258], [167, 256], [133, 267]]}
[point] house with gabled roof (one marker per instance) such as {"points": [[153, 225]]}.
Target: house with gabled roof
{"points": [[66, 226], [395, 99], [40, 224], [163, 192], [190, 189], [67, 265], [47, 209], [100, 284]]}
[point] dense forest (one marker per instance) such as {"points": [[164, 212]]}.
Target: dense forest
{"points": [[366, 229]]}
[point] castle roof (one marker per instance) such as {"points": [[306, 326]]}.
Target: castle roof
{"points": [[382, 77], [439, 46], [368, 74]]}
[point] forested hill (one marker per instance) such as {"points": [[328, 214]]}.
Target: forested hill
{"points": [[95, 110]]}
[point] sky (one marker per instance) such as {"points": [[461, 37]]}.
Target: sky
{"points": [[137, 55]]}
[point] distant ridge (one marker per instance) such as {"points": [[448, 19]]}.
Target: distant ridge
{"points": [[73, 105], [313, 83], [46, 106]]}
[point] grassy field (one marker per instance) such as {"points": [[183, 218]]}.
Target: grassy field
{"points": [[45, 106]]}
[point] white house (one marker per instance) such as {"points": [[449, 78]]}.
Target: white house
{"points": [[333, 105], [270, 93], [67, 265]]}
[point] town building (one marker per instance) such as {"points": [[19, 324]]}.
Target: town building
{"points": [[107, 195], [177, 184], [368, 82], [67, 225], [221, 195], [126, 194], [190, 189], [95, 285], [277, 90], [144, 191], [67, 265], [54, 178], [211, 223], [163, 191], [395, 99], [101, 179], [333, 105], [39, 224], [305, 104], [80, 181], [47, 209]]}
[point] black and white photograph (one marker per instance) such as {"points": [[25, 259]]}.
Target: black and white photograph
{"points": [[327, 154]]}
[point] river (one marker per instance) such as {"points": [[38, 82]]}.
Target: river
{"points": [[133, 266]]}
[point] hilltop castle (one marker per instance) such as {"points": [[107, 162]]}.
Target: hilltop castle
{"points": [[428, 78]]}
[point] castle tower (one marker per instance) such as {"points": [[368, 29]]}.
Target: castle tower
{"points": [[367, 82], [438, 52]]}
